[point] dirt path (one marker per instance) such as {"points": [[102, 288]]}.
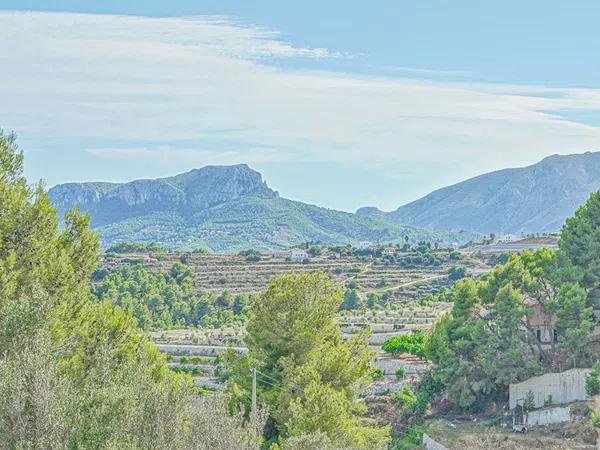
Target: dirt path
{"points": [[366, 268]]}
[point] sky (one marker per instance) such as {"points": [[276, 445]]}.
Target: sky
{"points": [[340, 103]]}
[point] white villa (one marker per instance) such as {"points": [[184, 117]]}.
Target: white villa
{"points": [[507, 238], [364, 245], [297, 254]]}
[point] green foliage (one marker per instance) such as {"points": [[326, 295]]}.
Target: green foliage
{"points": [[596, 419], [580, 241], [575, 322], [592, 381], [135, 247], [258, 221], [405, 399], [194, 371], [351, 300], [529, 401], [76, 373], [489, 340], [413, 344], [166, 300], [314, 251], [411, 440], [414, 403], [309, 376], [456, 273], [400, 372], [251, 255], [423, 255], [455, 255], [487, 343]]}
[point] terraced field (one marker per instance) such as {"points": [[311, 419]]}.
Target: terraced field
{"points": [[384, 324], [399, 314], [215, 273]]}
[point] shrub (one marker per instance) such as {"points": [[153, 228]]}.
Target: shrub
{"points": [[456, 273], [592, 381], [412, 344]]}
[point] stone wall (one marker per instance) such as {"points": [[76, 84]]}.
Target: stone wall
{"points": [[563, 387]]}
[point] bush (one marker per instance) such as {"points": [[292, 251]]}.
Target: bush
{"points": [[455, 256], [456, 273], [592, 381], [400, 372], [412, 344], [406, 399], [412, 439], [135, 247]]}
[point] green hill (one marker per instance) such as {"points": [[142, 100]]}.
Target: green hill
{"points": [[224, 208]]}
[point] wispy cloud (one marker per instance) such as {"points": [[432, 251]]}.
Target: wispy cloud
{"points": [[162, 80], [424, 72], [193, 157]]}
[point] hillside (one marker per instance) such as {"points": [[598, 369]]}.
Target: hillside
{"points": [[537, 198], [224, 208]]}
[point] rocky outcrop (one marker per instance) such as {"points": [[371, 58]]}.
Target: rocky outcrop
{"points": [[224, 208], [184, 194]]}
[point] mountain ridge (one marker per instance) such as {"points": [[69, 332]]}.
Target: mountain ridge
{"points": [[225, 208], [534, 198]]}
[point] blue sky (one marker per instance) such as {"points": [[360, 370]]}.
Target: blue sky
{"points": [[343, 104]]}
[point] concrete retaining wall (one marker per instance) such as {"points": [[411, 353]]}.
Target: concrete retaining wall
{"points": [[548, 416], [430, 444], [564, 387]]}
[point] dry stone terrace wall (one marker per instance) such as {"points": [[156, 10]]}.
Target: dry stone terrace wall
{"points": [[216, 272]]}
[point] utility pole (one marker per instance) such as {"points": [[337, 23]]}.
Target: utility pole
{"points": [[253, 410]]}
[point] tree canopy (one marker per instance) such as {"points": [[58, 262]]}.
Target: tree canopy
{"points": [[493, 335], [75, 372], [165, 300], [309, 377]]}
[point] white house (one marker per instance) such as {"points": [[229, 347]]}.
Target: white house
{"points": [[507, 238], [388, 251], [365, 245], [297, 254]]}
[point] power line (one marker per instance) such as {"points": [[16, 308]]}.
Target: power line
{"points": [[268, 376]]}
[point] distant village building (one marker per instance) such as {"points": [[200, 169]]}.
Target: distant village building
{"points": [[297, 254], [149, 259], [388, 251], [365, 245], [507, 238]]}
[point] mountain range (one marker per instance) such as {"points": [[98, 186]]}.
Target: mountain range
{"points": [[532, 199], [224, 208], [231, 208]]}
